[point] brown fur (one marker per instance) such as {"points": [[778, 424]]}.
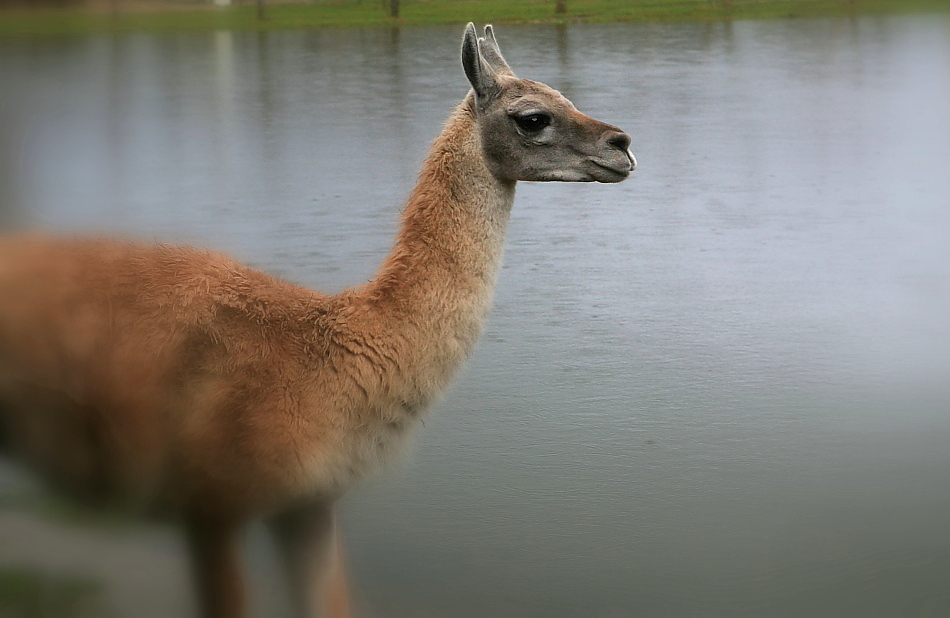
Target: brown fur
{"points": [[174, 380]]}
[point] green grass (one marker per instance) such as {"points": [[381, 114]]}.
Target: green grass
{"points": [[29, 593], [190, 18]]}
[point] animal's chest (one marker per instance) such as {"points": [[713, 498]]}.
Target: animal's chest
{"points": [[356, 453]]}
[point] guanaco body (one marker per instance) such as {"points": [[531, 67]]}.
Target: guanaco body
{"points": [[174, 380]]}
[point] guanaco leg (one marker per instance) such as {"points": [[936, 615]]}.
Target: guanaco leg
{"points": [[308, 539], [215, 549]]}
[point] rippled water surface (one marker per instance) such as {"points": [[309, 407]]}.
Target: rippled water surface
{"points": [[721, 388]]}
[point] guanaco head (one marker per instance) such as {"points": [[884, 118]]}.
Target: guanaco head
{"points": [[530, 131]]}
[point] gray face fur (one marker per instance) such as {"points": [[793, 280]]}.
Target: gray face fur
{"points": [[532, 132]]}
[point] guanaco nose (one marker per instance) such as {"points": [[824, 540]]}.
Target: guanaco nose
{"points": [[621, 141]]}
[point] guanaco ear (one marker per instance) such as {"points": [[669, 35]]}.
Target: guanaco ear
{"points": [[492, 54], [480, 73]]}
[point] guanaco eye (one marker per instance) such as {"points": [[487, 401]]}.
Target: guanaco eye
{"points": [[532, 123]]}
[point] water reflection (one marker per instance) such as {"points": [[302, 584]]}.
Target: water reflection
{"points": [[719, 388]]}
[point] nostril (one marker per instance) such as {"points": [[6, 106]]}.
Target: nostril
{"points": [[619, 140]]}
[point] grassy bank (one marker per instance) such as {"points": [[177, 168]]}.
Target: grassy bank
{"points": [[178, 17]]}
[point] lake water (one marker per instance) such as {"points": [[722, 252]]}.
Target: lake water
{"points": [[721, 388]]}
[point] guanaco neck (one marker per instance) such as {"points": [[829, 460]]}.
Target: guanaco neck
{"points": [[424, 308]]}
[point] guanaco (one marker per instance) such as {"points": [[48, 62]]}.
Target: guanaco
{"points": [[172, 380]]}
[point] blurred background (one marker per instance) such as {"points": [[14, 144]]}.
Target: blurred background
{"points": [[721, 388]]}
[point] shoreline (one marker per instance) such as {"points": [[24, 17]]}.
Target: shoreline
{"points": [[156, 17]]}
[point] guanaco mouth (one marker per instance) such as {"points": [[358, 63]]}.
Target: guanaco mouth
{"points": [[617, 173]]}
